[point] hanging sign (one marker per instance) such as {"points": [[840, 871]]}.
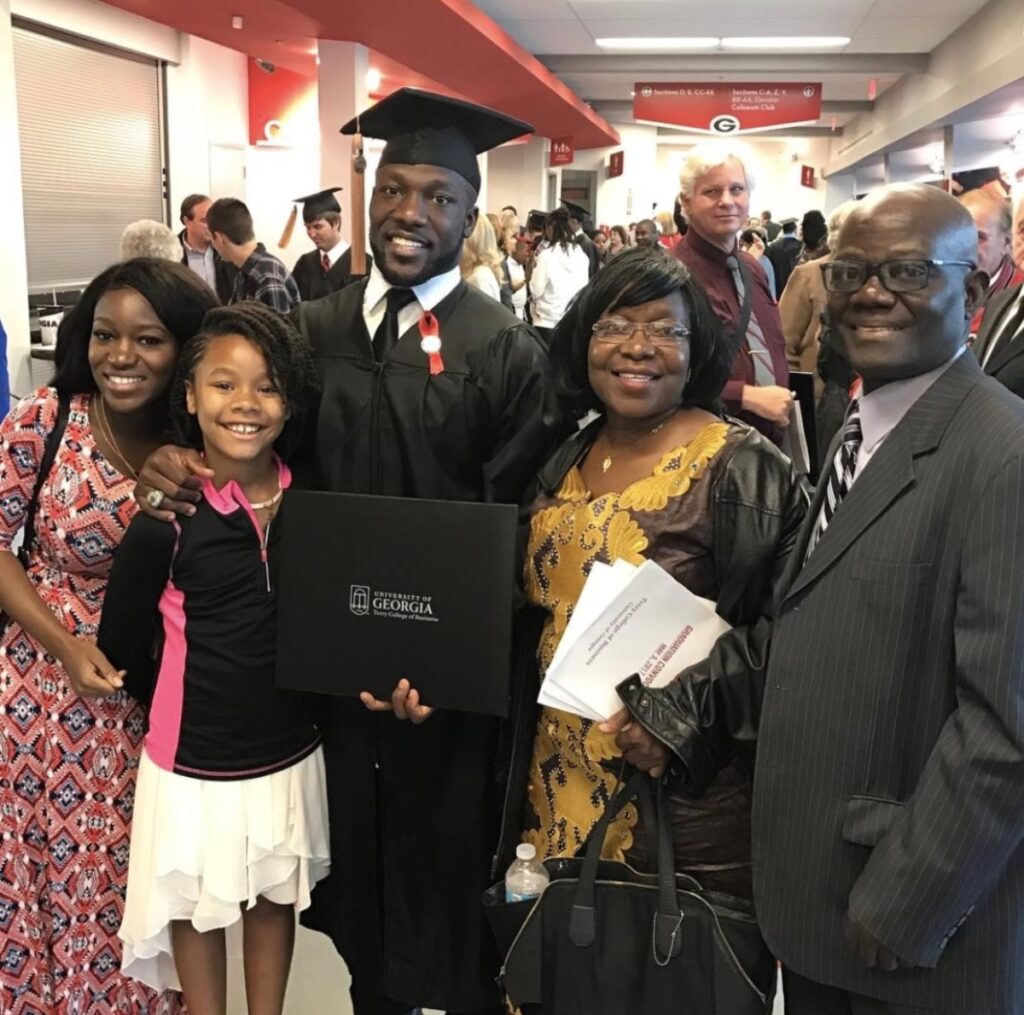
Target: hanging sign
{"points": [[616, 163], [716, 108], [562, 150], [807, 176]]}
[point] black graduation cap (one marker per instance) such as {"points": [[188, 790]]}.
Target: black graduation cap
{"points": [[535, 219], [423, 128], [576, 211], [314, 205], [788, 222]]}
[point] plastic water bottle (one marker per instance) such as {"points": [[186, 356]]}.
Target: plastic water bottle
{"points": [[526, 878]]}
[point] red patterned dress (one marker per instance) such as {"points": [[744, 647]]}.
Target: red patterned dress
{"points": [[67, 764]]}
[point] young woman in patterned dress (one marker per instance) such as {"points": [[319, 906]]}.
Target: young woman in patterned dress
{"points": [[68, 762]]}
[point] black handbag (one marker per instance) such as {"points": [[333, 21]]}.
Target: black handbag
{"points": [[605, 939], [53, 439]]}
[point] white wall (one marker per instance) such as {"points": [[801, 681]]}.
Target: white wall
{"points": [[207, 103], [517, 175], [13, 265]]}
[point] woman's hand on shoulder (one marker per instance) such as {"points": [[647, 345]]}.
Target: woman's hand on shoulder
{"points": [[639, 748], [90, 673], [176, 474], [405, 703]]}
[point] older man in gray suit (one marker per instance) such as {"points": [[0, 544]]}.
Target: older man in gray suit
{"points": [[888, 702]]}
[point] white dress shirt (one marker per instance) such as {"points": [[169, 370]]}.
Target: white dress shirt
{"points": [[482, 278], [202, 263], [334, 254], [428, 294], [883, 408]]}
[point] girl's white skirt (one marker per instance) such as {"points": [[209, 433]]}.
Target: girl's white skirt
{"points": [[201, 849]]}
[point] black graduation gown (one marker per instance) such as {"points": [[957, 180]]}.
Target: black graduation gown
{"points": [[590, 249], [415, 809], [314, 283]]}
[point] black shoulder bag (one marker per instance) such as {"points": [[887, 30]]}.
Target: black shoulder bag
{"points": [[603, 938], [50, 449], [737, 338]]}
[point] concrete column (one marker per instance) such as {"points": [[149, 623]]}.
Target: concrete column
{"points": [[341, 79], [13, 259]]}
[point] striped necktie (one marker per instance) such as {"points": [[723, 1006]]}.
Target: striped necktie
{"points": [[325, 263], [840, 477], [764, 372]]}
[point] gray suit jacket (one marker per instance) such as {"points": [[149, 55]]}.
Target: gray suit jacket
{"points": [[890, 758]]}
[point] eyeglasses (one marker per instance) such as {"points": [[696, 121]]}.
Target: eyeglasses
{"points": [[660, 334], [904, 275]]}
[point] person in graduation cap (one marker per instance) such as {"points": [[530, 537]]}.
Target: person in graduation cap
{"points": [[430, 389], [328, 268], [577, 221]]}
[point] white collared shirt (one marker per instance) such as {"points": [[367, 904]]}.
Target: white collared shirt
{"points": [[428, 294], [334, 254], [883, 408], [202, 263]]}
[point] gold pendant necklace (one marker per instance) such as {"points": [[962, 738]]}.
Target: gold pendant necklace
{"points": [[101, 418], [607, 463]]}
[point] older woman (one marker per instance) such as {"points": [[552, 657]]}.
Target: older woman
{"points": [[149, 238], [659, 475], [68, 762], [715, 189]]}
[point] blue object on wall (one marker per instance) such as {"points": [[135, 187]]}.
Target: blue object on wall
{"points": [[5, 384]]}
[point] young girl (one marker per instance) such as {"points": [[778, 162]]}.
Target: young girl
{"points": [[230, 807]]}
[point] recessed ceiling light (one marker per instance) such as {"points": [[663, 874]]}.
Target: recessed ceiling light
{"points": [[373, 80], [785, 42], [649, 42]]}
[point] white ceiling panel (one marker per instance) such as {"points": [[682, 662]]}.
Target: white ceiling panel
{"points": [[925, 8], [526, 10], [660, 27], [675, 10], [542, 37]]}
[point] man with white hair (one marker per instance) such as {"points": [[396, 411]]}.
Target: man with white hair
{"points": [[991, 214], [715, 191], [1000, 342]]}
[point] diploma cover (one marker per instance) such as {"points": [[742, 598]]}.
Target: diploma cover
{"points": [[374, 589]]}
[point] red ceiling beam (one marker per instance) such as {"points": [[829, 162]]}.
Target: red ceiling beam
{"points": [[449, 41]]}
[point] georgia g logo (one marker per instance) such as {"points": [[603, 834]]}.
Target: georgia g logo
{"points": [[725, 124]]}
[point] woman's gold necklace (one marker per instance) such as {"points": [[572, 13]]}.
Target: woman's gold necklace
{"points": [[607, 463], [101, 418]]}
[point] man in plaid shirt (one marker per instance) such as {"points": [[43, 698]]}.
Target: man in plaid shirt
{"points": [[261, 276]]}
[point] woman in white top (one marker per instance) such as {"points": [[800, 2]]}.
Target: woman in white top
{"points": [[560, 270], [481, 259]]}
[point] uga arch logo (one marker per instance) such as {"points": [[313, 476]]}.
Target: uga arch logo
{"points": [[359, 599]]}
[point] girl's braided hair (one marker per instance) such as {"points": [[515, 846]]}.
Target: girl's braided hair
{"points": [[290, 362]]}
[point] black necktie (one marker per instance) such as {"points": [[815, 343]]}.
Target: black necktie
{"points": [[386, 336]]}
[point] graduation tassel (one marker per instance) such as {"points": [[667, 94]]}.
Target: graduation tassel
{"points": [[289, 228], [358, 205]]}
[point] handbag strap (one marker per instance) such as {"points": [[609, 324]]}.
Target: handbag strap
{"points": [[582, 919], [667, 940], [50, 449]]}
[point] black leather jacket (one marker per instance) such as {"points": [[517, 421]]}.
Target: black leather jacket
{"points": [[758, 507]]}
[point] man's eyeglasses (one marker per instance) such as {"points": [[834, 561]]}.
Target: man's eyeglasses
{"points": [[903, 275], [660, 334]]}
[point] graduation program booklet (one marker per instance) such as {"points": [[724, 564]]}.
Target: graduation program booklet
{"points": [[627, 620]]}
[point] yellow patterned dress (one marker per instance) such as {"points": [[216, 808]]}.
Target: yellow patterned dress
{"points": [[664, 517]]}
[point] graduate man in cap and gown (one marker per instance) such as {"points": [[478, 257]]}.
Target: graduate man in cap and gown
{"points": [[328, 268], [432, 390]]}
